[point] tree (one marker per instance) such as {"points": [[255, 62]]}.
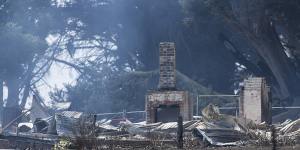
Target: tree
{"points": [[24, 51], [270, 28], [18, 60]]}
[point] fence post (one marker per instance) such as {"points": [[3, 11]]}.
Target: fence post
{"points": [[94, 124], [179, 132]]}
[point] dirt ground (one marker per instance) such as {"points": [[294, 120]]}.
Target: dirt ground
{"points": [[297, 147], [254, 148]]}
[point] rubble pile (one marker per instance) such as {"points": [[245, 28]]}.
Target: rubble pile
{"points": [[211, 129]]}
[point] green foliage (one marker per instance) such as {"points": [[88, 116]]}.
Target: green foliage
{"points": [[63, 144]]}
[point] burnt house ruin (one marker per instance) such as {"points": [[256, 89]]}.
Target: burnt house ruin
{"points": [[166, 103]]}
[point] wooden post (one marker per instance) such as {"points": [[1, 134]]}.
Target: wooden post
{"points": [[273, 135], [197, 108], [94, 124], [179, 132]]}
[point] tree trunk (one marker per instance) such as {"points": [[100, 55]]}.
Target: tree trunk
{"points": [[25, 94], [13, 92], [1, 100]]}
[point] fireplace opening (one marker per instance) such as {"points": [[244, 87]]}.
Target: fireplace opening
{"points": [[167, 113]]}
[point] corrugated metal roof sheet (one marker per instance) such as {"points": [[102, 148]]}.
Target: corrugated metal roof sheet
{"points": [[108, 127], [187, 125], [65, 125], [165, 126], [71, 114], [61, 106], [202, 125], [220, 137], [67, 122]]}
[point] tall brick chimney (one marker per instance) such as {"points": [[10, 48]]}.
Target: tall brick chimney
{"points": [[167, 103], [167, 66]]}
